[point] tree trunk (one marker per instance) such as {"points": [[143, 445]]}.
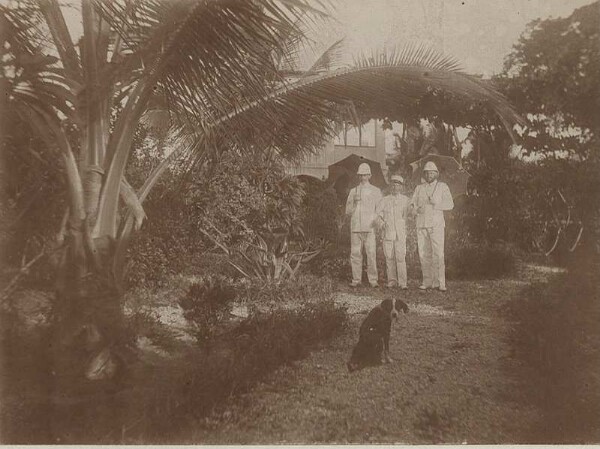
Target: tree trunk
{"points": [[87, 315], [89, 344]]}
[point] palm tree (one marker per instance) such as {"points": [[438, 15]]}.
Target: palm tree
{"points": [[86, 100], [215, 67]]}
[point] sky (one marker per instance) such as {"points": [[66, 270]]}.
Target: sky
{"points": [[479, 33]]}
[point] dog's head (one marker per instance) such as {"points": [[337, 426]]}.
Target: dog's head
{"points": [[394, 307]]}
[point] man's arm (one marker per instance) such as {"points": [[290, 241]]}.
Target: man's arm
{"points": [[412, 204], [350, 204], [406, 207], [446, 202], [379, 212]]}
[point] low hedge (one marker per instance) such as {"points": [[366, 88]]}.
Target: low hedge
{"points": [[479, 261], [191, 387], [463, 261]]}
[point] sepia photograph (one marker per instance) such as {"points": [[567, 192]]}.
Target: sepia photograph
{"points": [[299, 222]]}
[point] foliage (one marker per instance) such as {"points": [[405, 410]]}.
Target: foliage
{"points": [[245, 195], [231, 204], [193, 386], [270, 260], [31, 199], [319, 218], [477, 261], [333, 263], [557, 338], [512, 202], [542, 205], [207, 305], [250, 208], [554, 68]]}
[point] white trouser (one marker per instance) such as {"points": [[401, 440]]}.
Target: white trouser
{"points": [[395, 261], [431, 255], [357, 241]]}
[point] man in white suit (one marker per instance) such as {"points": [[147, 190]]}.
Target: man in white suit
{"points": [[392, 211], [429, 201], [360, 205]]}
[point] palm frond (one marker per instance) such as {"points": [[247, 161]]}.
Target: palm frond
{"points": [[328, 58], [204, 49], [382, 84]]}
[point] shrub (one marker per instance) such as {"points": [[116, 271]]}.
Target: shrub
{"points": [[208, 304], [191, 387], [333, 263], [479, 261], [319, 217], [268, 340]]}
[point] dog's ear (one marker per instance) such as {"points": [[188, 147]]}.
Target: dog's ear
{"points": [[387, 305], [401, 305]]}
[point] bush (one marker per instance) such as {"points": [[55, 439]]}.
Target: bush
{"points": [[319, 218], [557, 338], [510, 202], [333, 263], [193, 386], [208, 304], [268, 340], [479, 261]]}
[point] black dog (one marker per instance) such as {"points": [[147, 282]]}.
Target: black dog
{"points": [[374, 335]]}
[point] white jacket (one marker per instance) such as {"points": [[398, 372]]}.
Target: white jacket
{"points": [[393, 210], [432, 215], [362, 211]]}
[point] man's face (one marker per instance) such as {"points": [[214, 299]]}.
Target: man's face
{"points": [[431, 175], [396, 187], [364, 178]]}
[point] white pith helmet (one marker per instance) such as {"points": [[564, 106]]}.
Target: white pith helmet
{"points": [[430, 166], [364, 169]]}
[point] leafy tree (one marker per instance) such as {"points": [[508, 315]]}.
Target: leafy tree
{"points": [[552, 75]]}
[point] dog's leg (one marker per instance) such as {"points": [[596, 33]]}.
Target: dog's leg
{"points": [[386, 347]]}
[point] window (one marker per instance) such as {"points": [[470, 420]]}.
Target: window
{"points": [[352, 136]]}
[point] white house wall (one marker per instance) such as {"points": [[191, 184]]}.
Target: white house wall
{"points": [[318, 164]]}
